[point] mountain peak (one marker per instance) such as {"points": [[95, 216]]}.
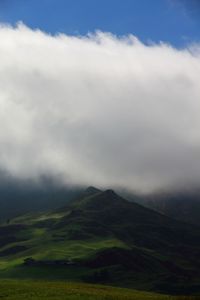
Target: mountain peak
{"points": [[91, 190]]}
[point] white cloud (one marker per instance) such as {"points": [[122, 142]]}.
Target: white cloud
{"points": [[99, 109]]}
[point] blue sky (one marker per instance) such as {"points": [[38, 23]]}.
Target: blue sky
{"points": [[156, 20]]}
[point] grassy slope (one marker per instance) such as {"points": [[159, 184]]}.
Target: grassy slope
{"points": [[35, 290], [38, 239], [40, 245]]}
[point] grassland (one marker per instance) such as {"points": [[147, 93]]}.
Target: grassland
{"points": [[35, 290]]}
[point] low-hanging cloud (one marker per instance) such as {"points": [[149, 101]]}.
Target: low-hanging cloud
{"points": [[99, 109]]}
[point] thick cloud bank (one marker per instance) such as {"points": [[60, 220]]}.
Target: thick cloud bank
{"points": [[99, 110]]}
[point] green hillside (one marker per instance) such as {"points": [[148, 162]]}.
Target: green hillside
{"points": [[102, 238]]}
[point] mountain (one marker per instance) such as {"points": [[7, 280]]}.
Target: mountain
{"points": [[101, 237], [106, 213]]}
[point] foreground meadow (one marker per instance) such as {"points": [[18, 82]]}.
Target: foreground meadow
{"points": [[35, 290]]}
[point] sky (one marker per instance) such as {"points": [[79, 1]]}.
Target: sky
{"points": [[101, 95], [174, 21]]}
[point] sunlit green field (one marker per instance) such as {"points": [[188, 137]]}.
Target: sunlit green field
{"points": [[35, 290]]}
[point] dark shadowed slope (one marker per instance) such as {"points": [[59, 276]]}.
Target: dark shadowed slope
{"points": [[108, 213]]}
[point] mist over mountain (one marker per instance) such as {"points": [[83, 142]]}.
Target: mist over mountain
{"points": [[19, 196], [182, 205]]}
